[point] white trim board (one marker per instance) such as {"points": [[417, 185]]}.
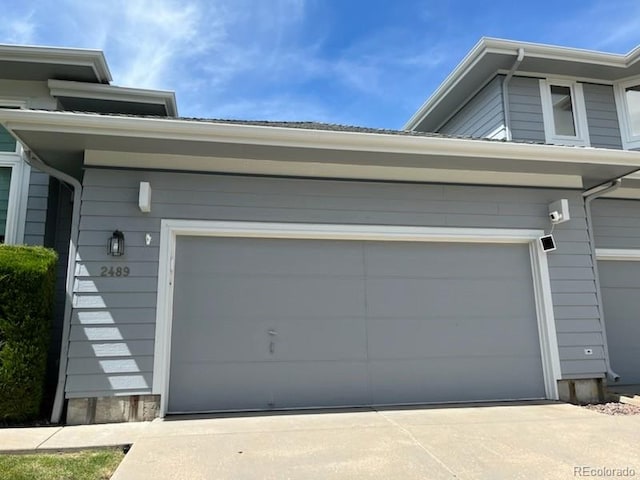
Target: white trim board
{"points": [[629, 140], [171, 229], [618, 254], [18, 195], [19, 184]]}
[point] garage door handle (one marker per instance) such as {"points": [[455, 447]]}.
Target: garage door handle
{"points": [[272, 344]]}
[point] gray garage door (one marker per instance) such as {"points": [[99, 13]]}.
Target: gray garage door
{"points": [[620, 285], [272, 323]]}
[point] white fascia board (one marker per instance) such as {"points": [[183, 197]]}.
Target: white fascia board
{"points": [[555, 52], [205, 131], [64, 88], [507, 47], [59, 55]]}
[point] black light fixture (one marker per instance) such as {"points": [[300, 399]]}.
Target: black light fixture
{"points": [[115, 246]]}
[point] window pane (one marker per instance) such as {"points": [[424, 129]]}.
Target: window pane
{"points": [[633, 105], [5, 180], [7, 143], [562, 111]]}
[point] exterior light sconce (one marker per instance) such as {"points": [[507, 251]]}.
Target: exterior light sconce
{"points": [[116, 244], [144, 197]]}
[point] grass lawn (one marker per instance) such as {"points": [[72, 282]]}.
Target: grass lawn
{"points": [[85, 465]]}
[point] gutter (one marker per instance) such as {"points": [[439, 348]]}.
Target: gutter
{"points": [[589, 196], [36, 162], [284, 136], [505, 93]]}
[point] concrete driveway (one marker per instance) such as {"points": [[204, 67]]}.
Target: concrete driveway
{"points": [[500, 441]]}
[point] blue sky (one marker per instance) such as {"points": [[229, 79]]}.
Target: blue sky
{"points": [[369, 63]]}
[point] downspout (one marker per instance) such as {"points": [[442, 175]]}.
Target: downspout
{"points": [[36, 162], [505, 93], [589, 196]]}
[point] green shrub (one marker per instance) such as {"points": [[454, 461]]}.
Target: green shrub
{"points": [[27, 283]]}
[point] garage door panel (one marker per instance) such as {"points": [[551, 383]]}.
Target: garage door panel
{"points": [[296, 339], [297, 296], [445, 296], [619, 274], [355, 323], [333, 383], [447, 379], [227, 341], [201, 386], [314, 338], [392, 338], [620, 285], [264, 256], [255, 386], [445, 259]]}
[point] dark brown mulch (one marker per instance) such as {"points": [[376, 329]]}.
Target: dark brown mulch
{"points": [[615, 408]]}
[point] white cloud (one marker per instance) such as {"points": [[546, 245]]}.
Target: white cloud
{"points": [[600, 26], [17, 30], [276, 107], [143, 39], [236, 58]]}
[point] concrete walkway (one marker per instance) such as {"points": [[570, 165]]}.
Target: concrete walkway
{"points": [[41, 439], [507, 441]]}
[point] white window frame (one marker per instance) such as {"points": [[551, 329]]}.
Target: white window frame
{"points": [[18, 186], [629, 140], [171, 229], [579, 108]]}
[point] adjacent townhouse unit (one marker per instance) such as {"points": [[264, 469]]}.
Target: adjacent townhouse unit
{"points": [[219, 265]]}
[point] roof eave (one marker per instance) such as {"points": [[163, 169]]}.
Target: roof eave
{"points": [[205, 131], [488, 45], [64, 88], [59, 55]]}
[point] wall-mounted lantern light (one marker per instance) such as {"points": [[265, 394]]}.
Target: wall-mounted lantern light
{"points": [[116, 244]]}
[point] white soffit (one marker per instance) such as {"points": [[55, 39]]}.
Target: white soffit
{"points": [[64, 88], [326, 170]]}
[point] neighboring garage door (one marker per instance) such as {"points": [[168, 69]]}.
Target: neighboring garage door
{"points": [[277, 323], [620, 286]]}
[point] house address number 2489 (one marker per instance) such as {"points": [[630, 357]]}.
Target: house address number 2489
{"points": [[114, 271]]}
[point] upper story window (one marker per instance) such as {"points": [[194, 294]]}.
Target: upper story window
{"points": [[628, 105], [564, 112]]}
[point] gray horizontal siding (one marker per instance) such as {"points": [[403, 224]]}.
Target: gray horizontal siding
{"points": [[616, 223], [525, 109], [602, 117], [482, 116], [34, 229], [111, 347]]}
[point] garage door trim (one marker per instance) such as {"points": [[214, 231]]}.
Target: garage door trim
{"points": [[171, 229], [612, 255], [618, 254]]}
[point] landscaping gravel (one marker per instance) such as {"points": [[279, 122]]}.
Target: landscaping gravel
{"points": [[615, 408]]}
